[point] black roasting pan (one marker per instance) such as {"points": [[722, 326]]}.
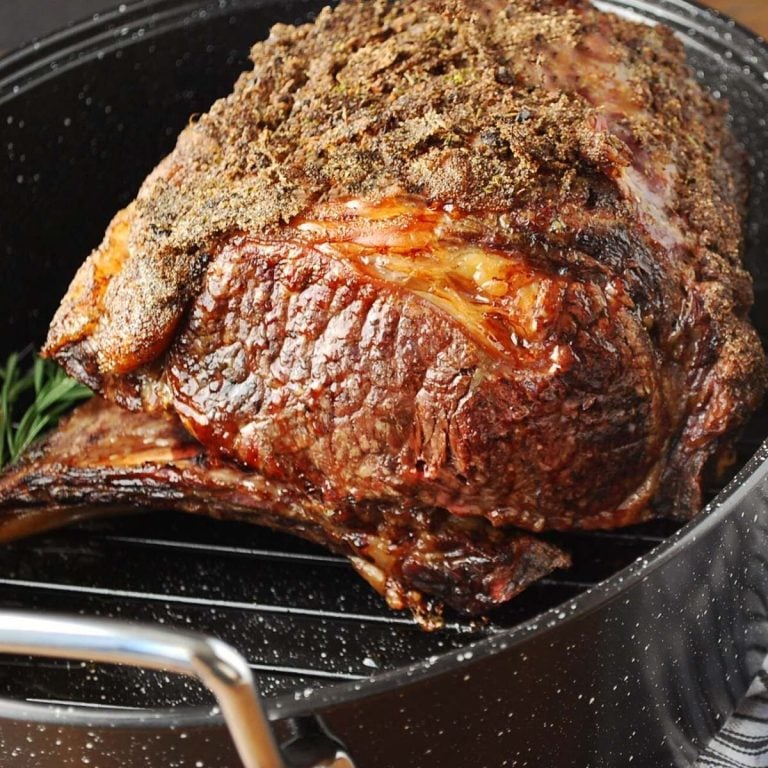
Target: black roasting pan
{"points": [[633, 658]]}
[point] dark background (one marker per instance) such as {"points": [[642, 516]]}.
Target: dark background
{"points": [[22, 20]]}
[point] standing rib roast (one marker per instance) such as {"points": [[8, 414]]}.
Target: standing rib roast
{"points": [[436, 277]]}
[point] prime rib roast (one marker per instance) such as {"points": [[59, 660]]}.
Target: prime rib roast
{"points": [[437, 277]]}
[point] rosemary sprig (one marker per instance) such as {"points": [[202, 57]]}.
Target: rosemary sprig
{"points": [[40, 394]]}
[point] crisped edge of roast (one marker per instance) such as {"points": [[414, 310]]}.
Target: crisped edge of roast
{"points": [[104, 460]]}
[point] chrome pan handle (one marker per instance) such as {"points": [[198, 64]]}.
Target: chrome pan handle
{"points": [[221, 668]]}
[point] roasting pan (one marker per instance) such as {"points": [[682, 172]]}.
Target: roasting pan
{"points": [[634, 657]]}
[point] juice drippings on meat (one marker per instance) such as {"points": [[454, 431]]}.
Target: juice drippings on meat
{"points": [[497, 296]]}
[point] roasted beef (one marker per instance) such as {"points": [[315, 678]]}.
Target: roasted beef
{"points": [[106, 460], [477, 257]]}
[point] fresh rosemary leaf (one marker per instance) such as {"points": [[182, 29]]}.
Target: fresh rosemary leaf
{"points": [[32, 400], [38, 373]]}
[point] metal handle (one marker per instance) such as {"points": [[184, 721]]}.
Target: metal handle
{"points": [[311, 745], [221, 668]]}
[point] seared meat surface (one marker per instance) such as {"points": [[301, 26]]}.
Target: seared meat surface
{"points": [[462, 260], [478, 256], [105, 460]]}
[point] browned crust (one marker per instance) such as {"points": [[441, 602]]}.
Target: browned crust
{"points": [[456, 103], [434, 99]]}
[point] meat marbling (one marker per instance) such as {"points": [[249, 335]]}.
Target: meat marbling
{"points": [[480, 257]]}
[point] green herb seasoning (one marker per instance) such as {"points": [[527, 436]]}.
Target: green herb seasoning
{"points": [[32, 400]]}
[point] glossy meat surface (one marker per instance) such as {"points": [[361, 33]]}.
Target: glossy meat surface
{"points": [[311, 368], [477, 256], [105, 460]]}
